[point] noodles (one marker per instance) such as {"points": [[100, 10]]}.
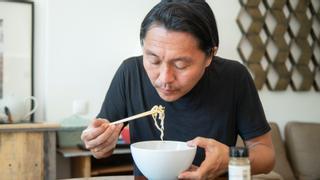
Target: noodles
{"points": [[158, 112]]}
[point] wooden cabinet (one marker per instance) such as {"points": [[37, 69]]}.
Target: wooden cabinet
{"points": [[27, 151], [83, 164]]}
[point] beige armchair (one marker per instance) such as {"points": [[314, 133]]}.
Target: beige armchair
{"points": [[282, 166], [303, 145], [299, 157]]}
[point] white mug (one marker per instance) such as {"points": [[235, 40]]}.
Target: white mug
{"points": [[19, 108]]}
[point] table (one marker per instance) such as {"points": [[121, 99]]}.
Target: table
{"points": [[271, 176], [109, 178], [28, 150]]}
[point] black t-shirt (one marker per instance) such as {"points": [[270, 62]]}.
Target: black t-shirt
{"points": [[223, 104]]}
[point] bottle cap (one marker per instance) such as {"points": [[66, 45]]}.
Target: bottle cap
{"points": [[238, 152]]}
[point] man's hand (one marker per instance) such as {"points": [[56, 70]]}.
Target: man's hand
{"points": [[101, 138], [215, 162]]}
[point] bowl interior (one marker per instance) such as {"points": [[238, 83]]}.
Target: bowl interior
{"points": [[162, 146]]}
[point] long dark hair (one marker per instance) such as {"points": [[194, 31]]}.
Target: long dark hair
{"points": [[192, 16]]}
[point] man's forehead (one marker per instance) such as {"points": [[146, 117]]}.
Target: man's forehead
{"points": [[162, 31], [161, 37]]}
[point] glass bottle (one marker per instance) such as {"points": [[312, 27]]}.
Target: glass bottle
{"points": [[239, 164]]}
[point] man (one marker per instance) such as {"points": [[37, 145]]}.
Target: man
{"points": [[208, 100]]}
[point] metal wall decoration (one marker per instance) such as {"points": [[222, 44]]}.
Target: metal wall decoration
{"points": [[280, 43]]}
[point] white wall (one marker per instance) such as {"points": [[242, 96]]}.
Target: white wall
{"points": [[80, 44]]}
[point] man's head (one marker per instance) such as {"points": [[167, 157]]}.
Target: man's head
{"points": [[179, 38]]}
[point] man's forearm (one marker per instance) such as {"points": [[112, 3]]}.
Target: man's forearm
{"points": [[261, 158]]}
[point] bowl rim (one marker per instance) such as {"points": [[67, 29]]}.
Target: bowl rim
{"points": [[188, 148]]}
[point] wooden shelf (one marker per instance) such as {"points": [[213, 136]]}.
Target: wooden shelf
{"points": [[117, 164], [75, 152], [25, 127], [111, 170], [83, 164]]}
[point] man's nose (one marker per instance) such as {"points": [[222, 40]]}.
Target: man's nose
{"points": [[167, 75]]}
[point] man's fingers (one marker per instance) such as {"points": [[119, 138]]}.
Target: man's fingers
{"points": [[193, 168], [109, 136], [119, 127], [91, 133], [98, 122], [187, 174], [111, 142], [101, 138], [194, 172], [199, 141], [100, 154], [108, 145], [113, 137], [96, 127], [104, 147], [190, 175]]}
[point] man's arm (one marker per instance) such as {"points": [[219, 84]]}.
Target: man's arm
{"points": [[261, 153]]}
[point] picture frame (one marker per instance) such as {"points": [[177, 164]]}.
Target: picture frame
{"points": [[16, 48]]}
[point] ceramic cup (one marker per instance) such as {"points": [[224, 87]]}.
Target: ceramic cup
{"points": [[19, 108]]}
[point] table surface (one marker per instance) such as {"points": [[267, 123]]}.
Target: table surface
{"points": [[37, 126], [108, 177], [271, 176]]}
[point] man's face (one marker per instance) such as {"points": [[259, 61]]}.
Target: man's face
{"points": [[173, 61]]}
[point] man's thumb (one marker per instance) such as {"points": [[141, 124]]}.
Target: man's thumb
{"points": [[98, 122]]}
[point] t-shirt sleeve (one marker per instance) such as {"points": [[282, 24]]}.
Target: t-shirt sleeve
{"points": [[114, 104], [251, 120]]}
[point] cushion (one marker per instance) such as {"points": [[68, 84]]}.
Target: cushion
{"points": [[303, 144], [282, 165]]}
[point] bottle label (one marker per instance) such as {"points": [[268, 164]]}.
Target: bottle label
{"points": [[239, 172]]}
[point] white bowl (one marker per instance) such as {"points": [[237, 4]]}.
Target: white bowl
{"points": [[162, 159]]}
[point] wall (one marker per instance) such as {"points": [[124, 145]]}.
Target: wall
{"points": [[80, 44]]}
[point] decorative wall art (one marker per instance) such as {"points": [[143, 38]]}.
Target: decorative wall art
{"points": [[1, 57], [16, 48], [16, 59], [280, 43]]}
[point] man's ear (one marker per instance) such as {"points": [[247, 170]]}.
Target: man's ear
{"points": [[214, 51]]}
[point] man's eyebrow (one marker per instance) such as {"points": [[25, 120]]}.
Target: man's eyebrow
{"points": [[182, 58], [151, 53]]}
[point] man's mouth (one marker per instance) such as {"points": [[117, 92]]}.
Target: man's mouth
{"points": [[167, 91]]}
